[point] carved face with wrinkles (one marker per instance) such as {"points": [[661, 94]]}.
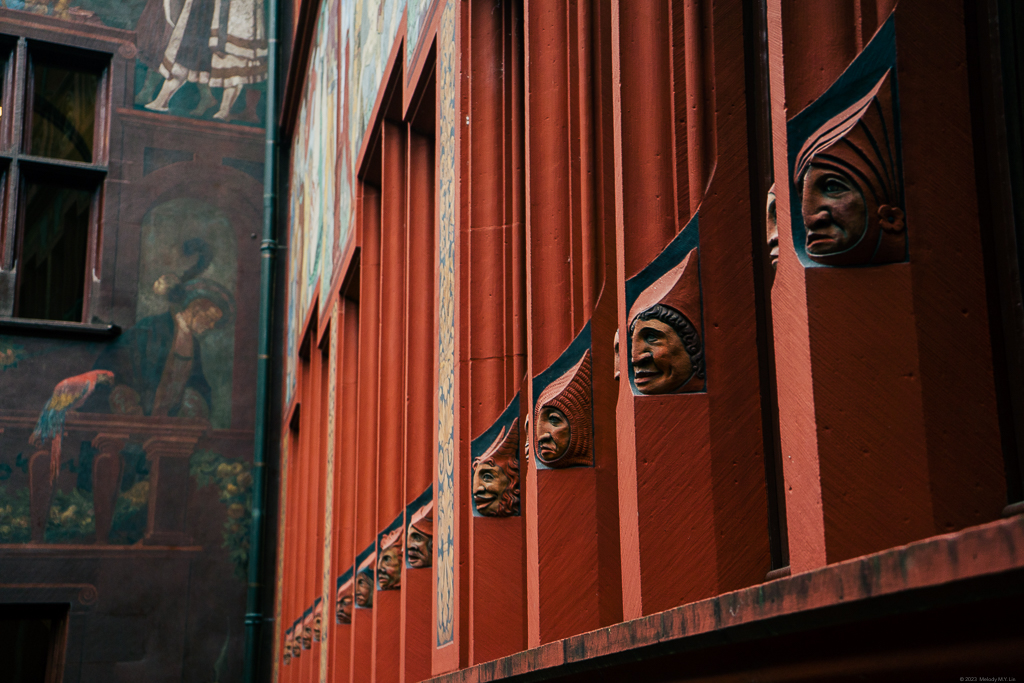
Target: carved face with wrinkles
{"points": [[553, 432], [489, 482], [419, 548], [661, 363], [834, 211]]}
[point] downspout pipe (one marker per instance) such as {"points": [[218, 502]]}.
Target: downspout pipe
{"points": [[268, 252]]}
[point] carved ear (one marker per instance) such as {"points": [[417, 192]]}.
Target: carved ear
{"points": [[890, 218]]}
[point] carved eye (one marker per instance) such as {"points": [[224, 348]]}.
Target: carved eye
{"points": [[650, 337], [834, 185], [487, 477]]}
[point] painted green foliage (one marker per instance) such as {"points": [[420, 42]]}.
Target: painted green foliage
{"points": [[233, 480]]}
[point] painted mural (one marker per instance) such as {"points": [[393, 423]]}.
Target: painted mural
{"points": [[312, 207], [189, 251], [202, 59]]}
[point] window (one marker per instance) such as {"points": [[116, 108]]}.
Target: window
{"points": [[32, 642], [53, 162]]}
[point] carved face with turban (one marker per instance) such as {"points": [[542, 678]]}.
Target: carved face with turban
{"points": [[419, 543], [496, 476], [667, 354], [564, 418], [389, 561], [847, 177]]}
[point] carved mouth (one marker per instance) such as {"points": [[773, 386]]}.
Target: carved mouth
{"points": [[642, 377], [817, 238]]}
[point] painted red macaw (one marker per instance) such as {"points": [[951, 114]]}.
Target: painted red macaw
{"points": [[69, 394]]}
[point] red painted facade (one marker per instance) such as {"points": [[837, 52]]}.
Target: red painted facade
{"points": [[834, 490]]}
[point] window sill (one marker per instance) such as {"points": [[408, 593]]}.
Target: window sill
{"points": [[30, 327]]}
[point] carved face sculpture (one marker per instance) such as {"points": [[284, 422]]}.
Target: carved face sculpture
{"points": [[286, 656], [666, 350], [389, 567], [496, 476], [489, 483], [661, 364], [343, 612], [364, 589], [343, 605], [421, 549], [563, 418], [616, 346], [849, 186], [307, 632], [834, 212], [553, 433], [772, 228], [318, 616]]}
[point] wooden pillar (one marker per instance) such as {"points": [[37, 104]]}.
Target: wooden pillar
{"points": [[565, 528], [345, 478], [874, 420], [494, 282], [421, 335], [702, 443], [366, 465], [392, 396]]}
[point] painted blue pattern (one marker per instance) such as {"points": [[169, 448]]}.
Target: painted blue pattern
{"points": [[445, 515]]}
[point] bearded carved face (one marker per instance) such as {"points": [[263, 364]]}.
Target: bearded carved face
{"points": [[834, 211], [419, 548], [661, 363], [553, 433], [343, 613], [389, 568], [364, 590], [489, 483]]}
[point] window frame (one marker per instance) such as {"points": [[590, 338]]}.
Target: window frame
{"points": [[25, 51]]}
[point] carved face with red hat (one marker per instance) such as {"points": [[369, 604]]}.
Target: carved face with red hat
{"points": [[496, 476], [564, 418], [419, 544], [847, 176], [389, 561], [667, 352]]}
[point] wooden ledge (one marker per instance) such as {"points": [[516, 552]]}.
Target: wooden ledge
{"points": [[980, 565], [30, 327]]}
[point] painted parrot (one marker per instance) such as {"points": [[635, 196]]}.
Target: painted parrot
{"points": [[69, 394]]}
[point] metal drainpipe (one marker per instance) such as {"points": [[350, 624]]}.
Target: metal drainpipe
{"points": [[268, 251]]}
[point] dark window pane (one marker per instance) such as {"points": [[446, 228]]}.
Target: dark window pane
{"points": [[24, 649], [63, 113], [53, 248]]}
